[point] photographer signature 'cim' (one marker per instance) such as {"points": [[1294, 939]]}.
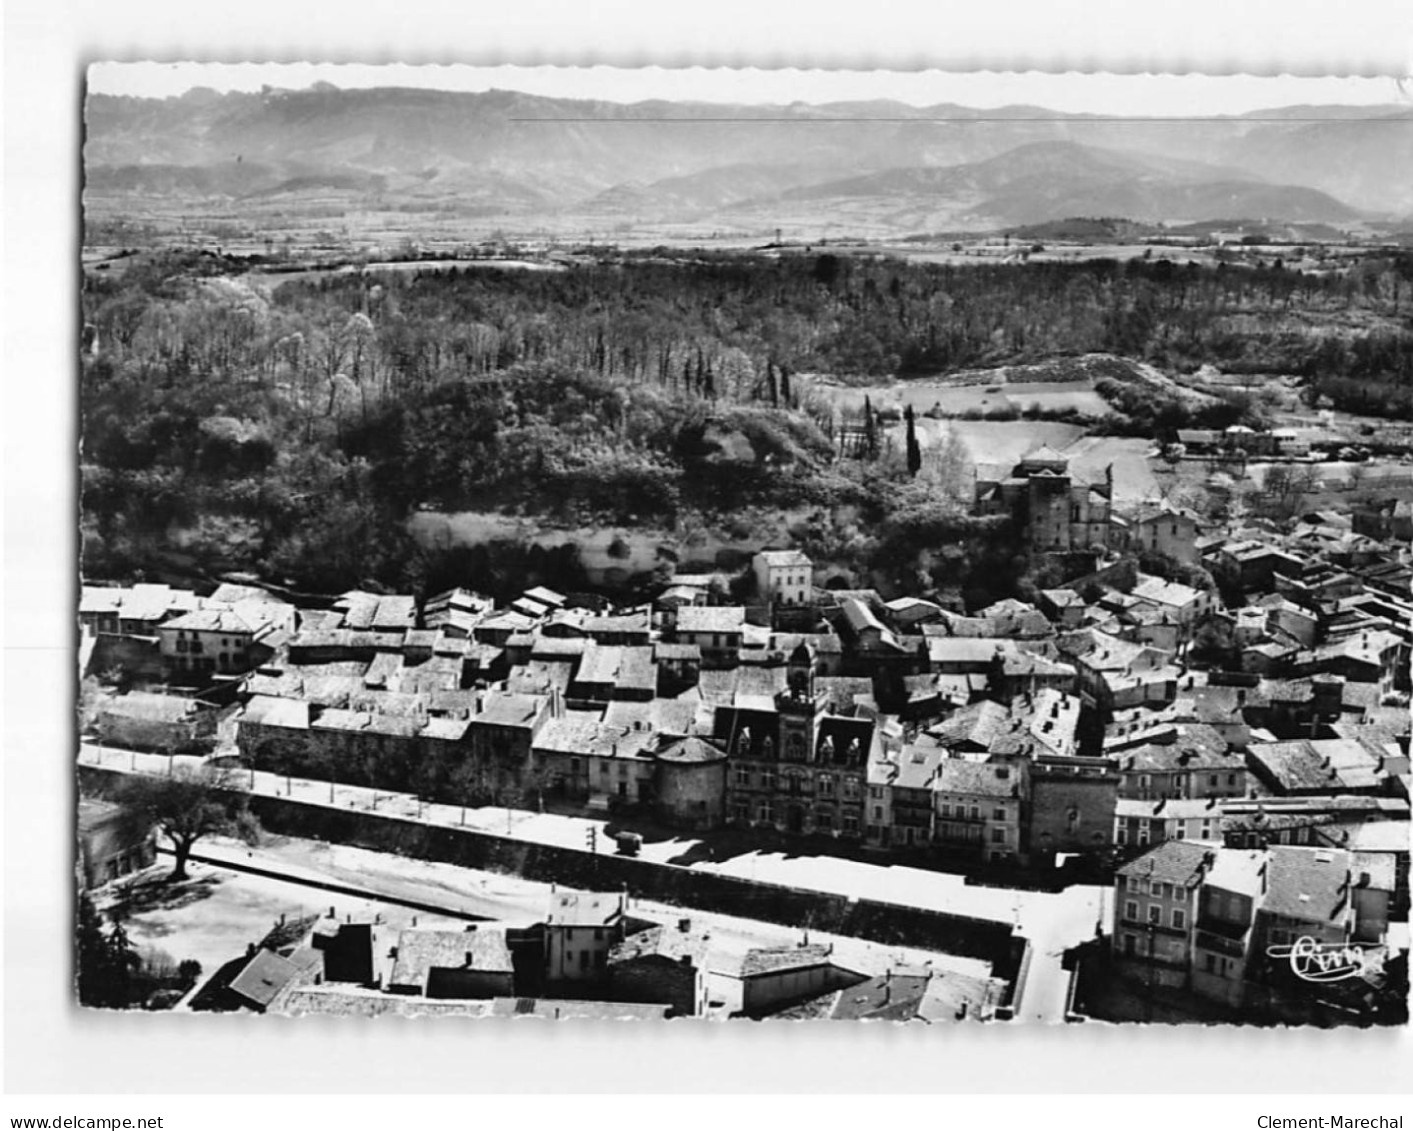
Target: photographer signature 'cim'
{"points": [[1313, 961]]}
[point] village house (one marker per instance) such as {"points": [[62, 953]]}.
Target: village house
{"points": [[783, 577], [979, 808], [911, 809], [1164, 529], [1183, 604], [716, 630], [593, 762], [1155, 909], [1064, 607], [1224, 939], [580, 931], [472, 963], [1116, 674], [1303, 767], [110, 844], [664, 965], [122, 621], [1144, 823], [146, 720], [1190, 761], [773, 977]]}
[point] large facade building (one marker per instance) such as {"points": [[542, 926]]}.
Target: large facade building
{"points": [[792, 764]]}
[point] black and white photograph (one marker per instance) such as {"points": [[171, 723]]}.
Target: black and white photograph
{"points": [[645, 545]]}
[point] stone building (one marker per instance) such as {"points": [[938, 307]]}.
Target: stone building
{"points": [[1056, 511]]}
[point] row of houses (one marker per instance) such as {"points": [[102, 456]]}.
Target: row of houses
{"points": [[590, 956], [1257, 927]]}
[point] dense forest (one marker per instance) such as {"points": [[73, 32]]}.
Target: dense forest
{"points": [[292, 433]]}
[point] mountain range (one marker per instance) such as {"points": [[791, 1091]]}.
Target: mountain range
{"points": [[881, 165]]}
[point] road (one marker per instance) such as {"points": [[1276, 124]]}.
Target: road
{"points": [[1053, 922]]}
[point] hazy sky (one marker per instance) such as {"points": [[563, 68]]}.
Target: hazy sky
{"points": [[1163, 95]]}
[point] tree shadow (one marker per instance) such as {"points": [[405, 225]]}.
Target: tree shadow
{"points": [[157, 893]]}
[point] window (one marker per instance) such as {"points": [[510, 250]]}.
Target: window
{"points": [[742, 775], [878, 812], [1211, 963], [998, 814], [1179, 918], [851, 788], [1155, 913], [767, 779], [826, 783], [998, 836], [1131, 910], [945, 809], [1142, 834], [851, 823], [975, 812], [1122, 836], [622, 769], [876, 792], [603, 769], [824, 821]]}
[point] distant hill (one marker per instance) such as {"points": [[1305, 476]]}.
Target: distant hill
{"points": [[1046, 181], [906, 167]]}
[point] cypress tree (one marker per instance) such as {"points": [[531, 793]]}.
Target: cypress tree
{"points": [[914, 452]]}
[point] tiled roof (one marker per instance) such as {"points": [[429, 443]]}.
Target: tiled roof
{"points": [[420, 951], [691, 751], [584, 909], [1172, 862], [1307, 883], [976, 779], [781, 558], [263, 977], [774, 960], [711, 618]]}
